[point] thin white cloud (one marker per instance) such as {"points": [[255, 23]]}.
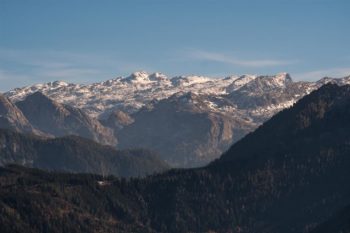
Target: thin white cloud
{"points": [[10, 80], [61, 59], [69, 73], [318, 74], [24, 67], [5, 75], [223, 58]]}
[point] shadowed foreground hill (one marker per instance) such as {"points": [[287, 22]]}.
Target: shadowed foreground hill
{"points": [[288, 176], [339, 223], [75, 154]]}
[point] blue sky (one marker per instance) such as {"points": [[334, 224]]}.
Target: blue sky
{"points": [[87, 41]]}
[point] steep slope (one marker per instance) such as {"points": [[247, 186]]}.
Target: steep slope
{"points": [[74, 154], [117, 120], [12, 118], [237, 103], [288, 176], [286, 126], [184, 129], [339, 223], [265, 95], [61, 120]]}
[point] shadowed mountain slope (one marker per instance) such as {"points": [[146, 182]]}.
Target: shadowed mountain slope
{"points": [[60, 120], [288, 176], [184, 129], [75, 154], [339, 223], [12, 118]]}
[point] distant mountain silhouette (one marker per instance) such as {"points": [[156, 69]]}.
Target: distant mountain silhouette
{"points": [[75, 154]]}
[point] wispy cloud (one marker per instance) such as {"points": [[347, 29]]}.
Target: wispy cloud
{"points": [[6, 75], [10, 79], [70, 73], [23, 67], [318, 74], [228, 59]]}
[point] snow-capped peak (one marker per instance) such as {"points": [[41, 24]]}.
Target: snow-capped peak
{"points": [[58, 84], [326, 80], [189, 80], [231, 78], [140, 88], [139, 76], [157, 77], [282, 78], [142, 77], [240, 82]]}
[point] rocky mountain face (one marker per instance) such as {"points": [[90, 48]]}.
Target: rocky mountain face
{"points": [[117, 120], [131, 93], [224, 109], [12, 118], [60, 120], [184, 129], [290, 176], [75, 154]]}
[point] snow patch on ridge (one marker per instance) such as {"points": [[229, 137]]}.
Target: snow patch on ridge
{"points": [[131, 93]]}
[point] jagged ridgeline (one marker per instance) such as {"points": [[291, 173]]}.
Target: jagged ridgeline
{"points": [[290, 176], [188, 120]]}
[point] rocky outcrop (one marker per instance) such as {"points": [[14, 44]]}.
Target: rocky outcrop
{"points": [[12, 118], [117, 120], [184, 130], [60, 120]]}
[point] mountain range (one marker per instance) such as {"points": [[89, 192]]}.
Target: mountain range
{"points": [[188, 120], [290, 175], [41, 116]]}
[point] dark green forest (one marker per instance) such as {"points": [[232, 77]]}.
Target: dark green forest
{"points": [[76, 154], [291, 175]]}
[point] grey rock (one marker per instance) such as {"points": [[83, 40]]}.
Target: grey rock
{"points": [[60, 120]]}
